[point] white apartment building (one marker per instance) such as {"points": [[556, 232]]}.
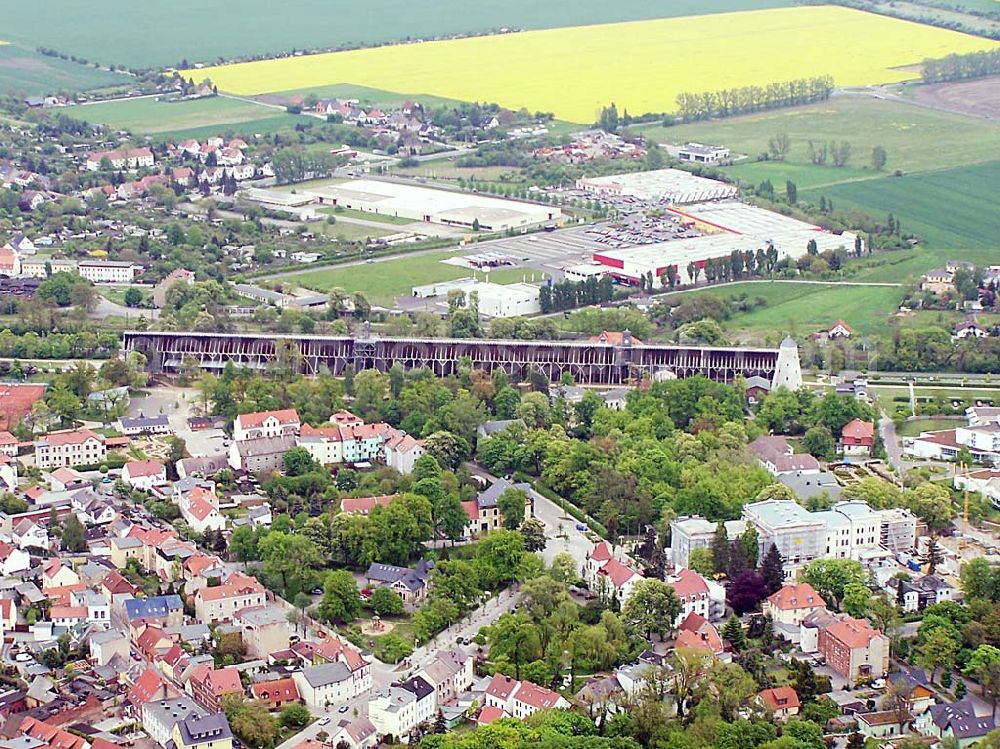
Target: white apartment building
{"points": [[851, 527], [266, 424], [402, 707], [221, 602], [75, 448], [108, 271]]}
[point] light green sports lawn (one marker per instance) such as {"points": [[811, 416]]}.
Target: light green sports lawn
{"points": [[382, 281], [153, 116], [801, 308]]}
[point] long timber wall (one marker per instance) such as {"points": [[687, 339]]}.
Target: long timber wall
{"points": [[589, 363]]}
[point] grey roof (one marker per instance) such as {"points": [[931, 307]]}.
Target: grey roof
{"points": [[168, 712], [197, 729], [490, 428], [387, 574], [488, 497], [398, 698], [263, 615], [419, 686], [326, 673], [144, 422], [266, 446], [140, 608], [962, 719], [108, 635], [806, 485]]}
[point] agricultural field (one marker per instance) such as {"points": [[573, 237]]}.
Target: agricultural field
{"points": [[152, 116], [802, 308], [31, 73], [915, 139], [519, 70], [148, 34], [382, 281], [950, 209]]}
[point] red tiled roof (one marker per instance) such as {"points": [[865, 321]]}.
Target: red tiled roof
{"points": [[199, 508], [115, 583], [279, 690], [615, 338], [488, 715], [236, 585], [364, 505], [284, 416], [536, 696], [146, 688], [689, 585], [74, 437], [801, 596], [330, 433], [779, 698], [841, 324], [618, 573], [858, 429], [137, 468], [471, 508], [54, 738], [854, 633], [601, 552], [501, 687]]}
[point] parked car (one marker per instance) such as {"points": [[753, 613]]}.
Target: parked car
{"points": [[582, 527]]}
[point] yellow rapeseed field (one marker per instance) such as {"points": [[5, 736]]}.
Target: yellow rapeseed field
{"points": [[640, 65]]}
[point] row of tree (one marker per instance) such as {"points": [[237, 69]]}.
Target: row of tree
{"points": [[961, 67], [733, 101]]}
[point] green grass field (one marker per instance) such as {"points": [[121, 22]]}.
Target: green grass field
{"points": [[385, 280], [151, 116], [153, 33], [347, 232], [915, 427], [906, 266], [915, 139], [803, 308], [27, 72], [380, 218], [953, 208]]}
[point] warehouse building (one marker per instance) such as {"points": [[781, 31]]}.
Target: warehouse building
{"points": [[495, 300], [730, 225], [452, 208], [659, 186]]}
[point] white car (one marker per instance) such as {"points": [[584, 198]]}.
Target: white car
{"points": [[322, 721]]}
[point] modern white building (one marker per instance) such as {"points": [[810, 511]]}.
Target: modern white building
{"points": [[449, 207], [673, 186]]}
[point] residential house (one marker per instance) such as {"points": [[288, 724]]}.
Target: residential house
{"points": [[607, 577], [854, 649], [402, 451], [781, 702], [839, 329], [789, 606], [958, 720], [359, 733], [221, 602], [58, 574], [882, 724], [260, 455], [203, 732], [13, 559], [916, 595], [160, 716], [519, 699], [697, 633], [914, 685], [940, 281], [402, 707], [256, 425], [326, 684], [264, 630], [324, 444], [72, 448], [778, 457], [692, 592], [42, 735], [106, 645], [132, 426], [364, 505], [144, 474], [337, 650], [409, 583], [857, 438], [276, 693], [199, 510], [209, 685], [150, 686], [28, 534], [450, 673], [164, 611]]}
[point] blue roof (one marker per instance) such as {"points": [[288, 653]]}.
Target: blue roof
{"points": [[142, 608]]}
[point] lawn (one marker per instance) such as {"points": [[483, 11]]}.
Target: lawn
{"points": [[915, 139], [379, 218], [801, 308], [520, 70], [915, 427], [952, 208], [348, 232], [154, 116], [383, 281], [145, 34], [906, 266], [28, 72]]}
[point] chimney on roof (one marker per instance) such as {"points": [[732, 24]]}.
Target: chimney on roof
{"points": [[627, 337]]}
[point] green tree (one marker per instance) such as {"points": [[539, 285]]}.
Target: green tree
{"points": [[938, 650], [652, 608], [298, 462], [701, 561], [734, 634], [133, 297], [294, 715], [385, 602], [856, 599], [830, 577], [451, 517], [341, 602], [879, 158], [512, 504], [73, 535], [931, 503]]}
